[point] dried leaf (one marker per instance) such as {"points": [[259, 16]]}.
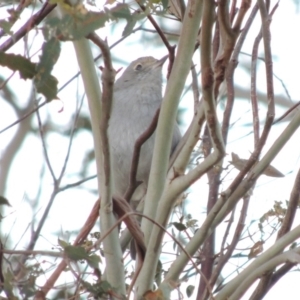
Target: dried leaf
{"points": [[256, 249], [237, 162], [240, 163], [156, 295], [272, 172], [278, 211]]}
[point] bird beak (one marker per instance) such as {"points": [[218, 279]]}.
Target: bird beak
{"points": [[162, 60]]}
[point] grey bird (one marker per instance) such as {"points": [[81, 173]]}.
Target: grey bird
{"points": [[137, 96]]}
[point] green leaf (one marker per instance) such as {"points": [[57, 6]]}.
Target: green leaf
{"points": [[56, 2], [45, 83], [105, 286], [49, 57], [164, 4], [18, 63], [97, 289], [29, 289], [121, 11], [8, 285], [129, 27], [62, 243], [156, 2], [89, 287], [93, 261], [76, 252], [6, 26], [76, 26], [190, 290], [48, 87], [131, 21], [179, 226], [79, 253], [78, 22]]}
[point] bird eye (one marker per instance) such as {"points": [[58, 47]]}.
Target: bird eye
{"points": [[138, 67]]}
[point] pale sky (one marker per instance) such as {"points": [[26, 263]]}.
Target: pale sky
{"points": [[28, 166]]}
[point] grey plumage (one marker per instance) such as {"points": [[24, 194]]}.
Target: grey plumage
{"points": [[137, 96]]}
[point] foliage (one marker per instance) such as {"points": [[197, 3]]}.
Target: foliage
{"points": [[218, 253]]}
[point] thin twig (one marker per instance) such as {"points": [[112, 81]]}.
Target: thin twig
{"points": [[33, 253], [228, 39], [216, 41], [266, 20], [108, 78], [133, 183], [89, 224], [269, 279], [287, 113], [232, 247], [15, 15], [245, 5], [87, 227], [31, 23], [280, 273], [195, 88], [164, 32], [223, 17], [63, 169], [56, 190], [24, 117], [233, 11], [157, 28], [207, 79], [66, 83], [71, 185], [253, 93], [270, 113], [35, 235], [1, 263], [275, 75], [230, 74], [45, 148], [214, 135], [171, 49], [100, 55]]}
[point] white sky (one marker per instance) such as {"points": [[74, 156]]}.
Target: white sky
{"points": [[25, 173]]}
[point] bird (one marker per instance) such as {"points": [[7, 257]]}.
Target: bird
{"points": [[137, 96]]}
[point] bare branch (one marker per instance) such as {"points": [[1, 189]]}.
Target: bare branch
{"points": [[108, 78], [133, 183], [45, 149], [253, 94], [31, 23], [171, 49]]}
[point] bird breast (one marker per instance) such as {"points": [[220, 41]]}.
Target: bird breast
{"points": [[132, 113]]}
